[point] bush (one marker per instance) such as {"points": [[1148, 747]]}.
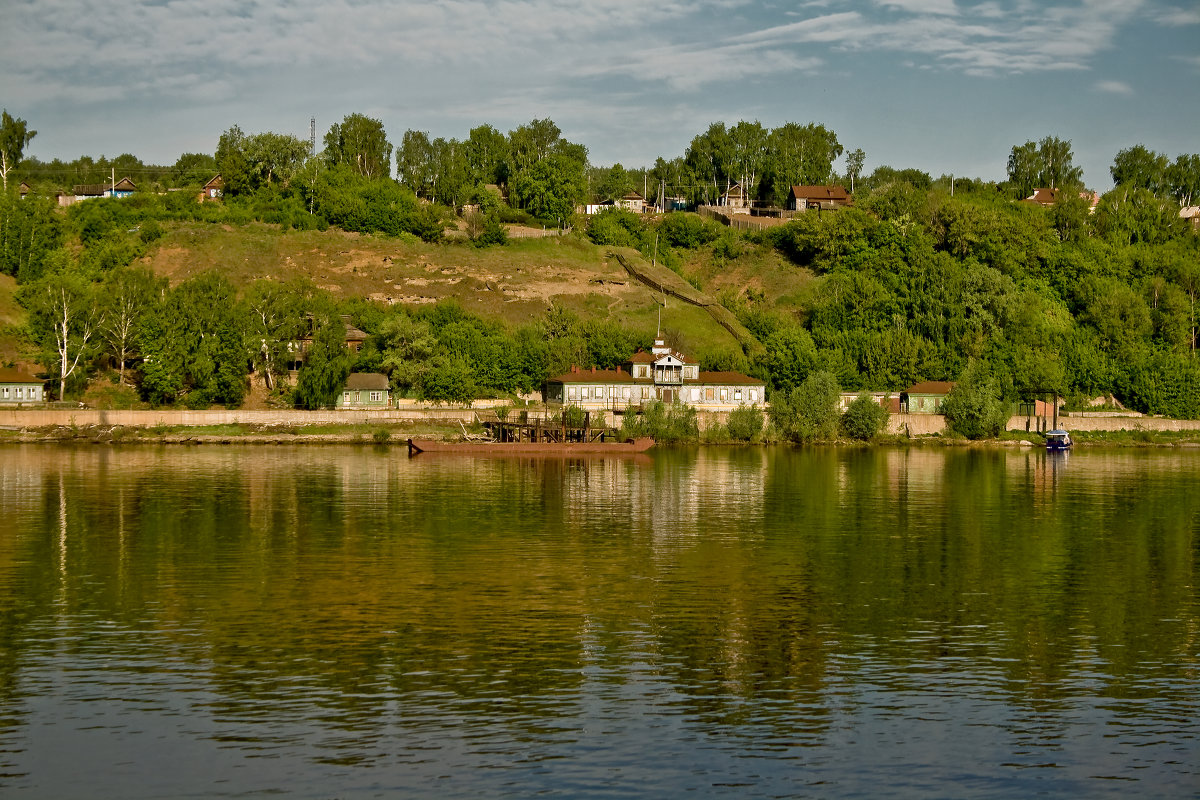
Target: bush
{"points": [[865, 418], [973, 408], [809, 412], [663, 423], [688, 231], [745, 423]]}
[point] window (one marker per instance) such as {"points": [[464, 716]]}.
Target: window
{"points": [[573, 393], [724, 395], [626, 393], [737, 395], [18, 392], [346, 398], [754, 395], [583, 393], [5, 392], [376, 397], [695, 394], [709, 394]]}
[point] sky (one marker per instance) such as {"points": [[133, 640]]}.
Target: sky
{"points": [[945, 86]]}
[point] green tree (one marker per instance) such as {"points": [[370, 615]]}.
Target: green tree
{"points": [[1138, 167], [232, 162], [854, 165], [798, 155], [193, 345], [30, 231], [808, 412], [276, 320], [272, 156], [973, 408], [128, 294], [64, 318], [865, 418], [1183, 177], [15, 136], [449, 379], [326, 365], [361, 143], [487, 153]]}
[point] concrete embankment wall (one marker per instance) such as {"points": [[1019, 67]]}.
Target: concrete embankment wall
{"points": [[927, 424], [37, 418], [902, 424]]}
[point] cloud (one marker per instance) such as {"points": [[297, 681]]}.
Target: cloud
{"points": [[1177, 17], [1114, 87], [987, 39], [921, 6]]}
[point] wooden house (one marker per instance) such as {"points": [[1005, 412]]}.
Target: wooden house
{"points": [[213, 190], [90, 191], [18, 387], [365, 390], [660, 375], [735, 198], [801, 198], [925, 398]]}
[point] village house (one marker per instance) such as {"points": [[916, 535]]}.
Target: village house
{"points": [[90, 191], [1046, 198], [24, 189], [213, 190], [632, 202], [365, 390], [925, 398], [887, 400], [735, 199], [296, 350], [661, 374], [18, 387], [824, 198]]}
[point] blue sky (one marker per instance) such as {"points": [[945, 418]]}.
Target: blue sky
{"points": [[947, 86]]}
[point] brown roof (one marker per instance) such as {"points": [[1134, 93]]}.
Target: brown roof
{"points": [[372, 381], [930, 387], [642, 357], [593, 375], [731, 378], [215, 182], [97, 189], [837, 193], [10, 375], [619, 375]]}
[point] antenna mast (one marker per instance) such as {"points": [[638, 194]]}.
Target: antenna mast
{"points": [[312, 136]]}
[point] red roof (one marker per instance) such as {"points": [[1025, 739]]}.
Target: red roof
{"points": [[593, 375], [642, 357]]}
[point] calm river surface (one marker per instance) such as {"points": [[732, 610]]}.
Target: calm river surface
{"points": [[318, 621]]}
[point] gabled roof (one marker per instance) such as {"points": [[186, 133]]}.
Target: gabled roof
{"points": [[215, 182], [98, 189], [593, 375], [372, 381], [930, 387], [831, 193], [10, 375], [730, 378], [642, 357]]}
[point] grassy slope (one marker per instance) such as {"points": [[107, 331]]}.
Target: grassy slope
{"points": [[12, 318], [514, 283]]}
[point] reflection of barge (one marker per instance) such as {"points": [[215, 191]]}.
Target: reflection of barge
{"points": [[609, 447], [1058, 440]]}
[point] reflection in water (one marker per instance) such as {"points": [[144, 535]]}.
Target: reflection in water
{"points": [[347, 621]]}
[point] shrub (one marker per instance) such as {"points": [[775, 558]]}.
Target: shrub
{"points": [[745, 423], [865, 418], [973, 408]]}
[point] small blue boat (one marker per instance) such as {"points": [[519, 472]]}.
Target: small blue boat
{"points": [[1058, 440]]}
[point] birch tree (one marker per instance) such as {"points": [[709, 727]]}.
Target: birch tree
{"points": [[65, 318], [128, 294], [14, 137]]}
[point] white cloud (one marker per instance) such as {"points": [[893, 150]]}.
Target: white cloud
{"points": [[1114, 87], [921, 6], [1177, 17]]}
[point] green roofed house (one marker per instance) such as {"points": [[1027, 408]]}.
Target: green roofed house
{"points": [[366, 390], [18, 387], [925, 398]]}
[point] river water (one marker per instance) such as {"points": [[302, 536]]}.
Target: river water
{"points": [[328, 621]]}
